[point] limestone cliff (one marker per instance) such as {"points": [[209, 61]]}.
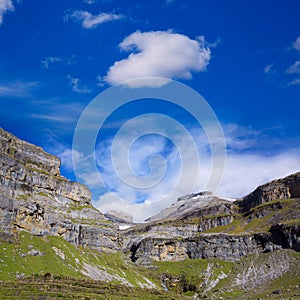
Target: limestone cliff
{"points": [[205, 226], [34, 197], [285, 188]]}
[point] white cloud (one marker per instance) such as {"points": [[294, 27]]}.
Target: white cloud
{"points": [[17, 88], [244, 171], [50, 60], [296, 44], [58, 113], [294, 82], [268, 68], [89, 21], [294, 68], [74, 83], [159, 54], [89, 1], [66, 156], [5, 6]]}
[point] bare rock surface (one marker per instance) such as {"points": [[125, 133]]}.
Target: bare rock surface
{"points": [[284, 188], [186, 205], [34, 197], [119, 217]]}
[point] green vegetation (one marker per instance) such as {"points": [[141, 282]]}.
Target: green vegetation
{"points": [[79, 206], [58, 257], [286, 286], [40, 266], [42, 194], [23, 197], [57, 271], [262, 217], [192, 276], [61, 287], [50, 266]]}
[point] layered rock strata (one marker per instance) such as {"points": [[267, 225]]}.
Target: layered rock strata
{"points": [[284, 188], [34, 197]]}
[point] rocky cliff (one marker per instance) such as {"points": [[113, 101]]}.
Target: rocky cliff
{"points": [[285, 188], [34, 197], [205, 226]]}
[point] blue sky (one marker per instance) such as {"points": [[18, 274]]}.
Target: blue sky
{"points": [[243, 57]]}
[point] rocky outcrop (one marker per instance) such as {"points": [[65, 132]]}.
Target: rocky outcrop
{"points": [[118, 217], [34, 197], [182, 234], [285, 188], [216, 212], [287, 236], [223, 246], [187, 206]]}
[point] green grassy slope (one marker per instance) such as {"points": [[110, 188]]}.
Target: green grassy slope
{"points": [[262, 217], [50, 266]]}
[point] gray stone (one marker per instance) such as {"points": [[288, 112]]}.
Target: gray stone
{"points": [[34, 197]]}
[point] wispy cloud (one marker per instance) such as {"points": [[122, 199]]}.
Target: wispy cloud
{"points": [[89, 1], [17, 88], [159, 54], [296, 44], [294, 68], [294, 82], [75, 84], [50, 60], [89, 21], [5, 6], [287, 74], [269, 69], [57, 112]]}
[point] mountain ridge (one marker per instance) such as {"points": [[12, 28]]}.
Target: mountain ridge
{"points": [[46, 218]]}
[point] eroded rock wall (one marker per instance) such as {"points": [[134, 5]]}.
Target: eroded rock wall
{"points": [[285, 188], [34, 197]]}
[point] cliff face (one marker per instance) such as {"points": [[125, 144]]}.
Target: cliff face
{"points": [[205, 246], [204, 226], [34, 197], [285, 188]]}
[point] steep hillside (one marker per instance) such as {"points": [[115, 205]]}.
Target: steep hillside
{"points": [[34, 197]]}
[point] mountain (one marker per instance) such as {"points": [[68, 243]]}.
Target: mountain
{"points": [[34, 197], [54, 243]]}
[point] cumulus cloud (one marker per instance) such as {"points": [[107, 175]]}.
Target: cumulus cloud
{"points": [[296, 44], [75, 84], [294, 68], [159, 54], [5, 6], [89, 21]]}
